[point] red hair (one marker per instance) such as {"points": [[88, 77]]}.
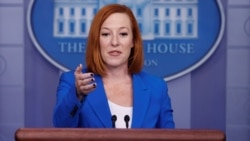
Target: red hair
{"points": [[94, 60]]}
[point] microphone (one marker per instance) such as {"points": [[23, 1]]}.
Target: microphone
{"points": [[113, 119], [126, 119]]}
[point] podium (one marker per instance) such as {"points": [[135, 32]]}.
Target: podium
{"points": [[109, 134]]}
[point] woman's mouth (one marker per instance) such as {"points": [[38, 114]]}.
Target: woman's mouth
{"points": [[114, 53]]}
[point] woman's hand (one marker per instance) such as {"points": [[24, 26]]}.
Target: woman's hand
{"points": [[84, 82]]}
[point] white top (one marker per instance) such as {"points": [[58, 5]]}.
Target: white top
{"points": [[120, 112]]}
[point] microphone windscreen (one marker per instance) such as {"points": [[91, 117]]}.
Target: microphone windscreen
{"points": [[126, 118], [113, 118]]}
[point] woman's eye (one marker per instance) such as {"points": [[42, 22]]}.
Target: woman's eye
{"points": [[105, 34], [124, 34]]}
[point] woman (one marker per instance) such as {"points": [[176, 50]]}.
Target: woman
{"points": [[113, 91]]}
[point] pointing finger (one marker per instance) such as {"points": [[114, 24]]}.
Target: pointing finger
{"points": [[78, 69]]}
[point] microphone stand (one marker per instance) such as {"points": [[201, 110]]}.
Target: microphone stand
{"points": [[113, 119], [126, 119]]}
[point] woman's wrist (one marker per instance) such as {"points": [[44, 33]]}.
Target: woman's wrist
{"points": [[80, 95]]}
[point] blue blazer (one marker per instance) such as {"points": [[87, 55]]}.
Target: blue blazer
{"points": [[151, 104]]}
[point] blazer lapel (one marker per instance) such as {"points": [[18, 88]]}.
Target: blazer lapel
{"points": [[99, 103], [141, 97]]}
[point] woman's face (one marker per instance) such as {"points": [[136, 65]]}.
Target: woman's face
{"points": [[116, 40]]}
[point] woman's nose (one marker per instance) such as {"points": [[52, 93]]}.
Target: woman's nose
{"points": [[114, 41]]}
